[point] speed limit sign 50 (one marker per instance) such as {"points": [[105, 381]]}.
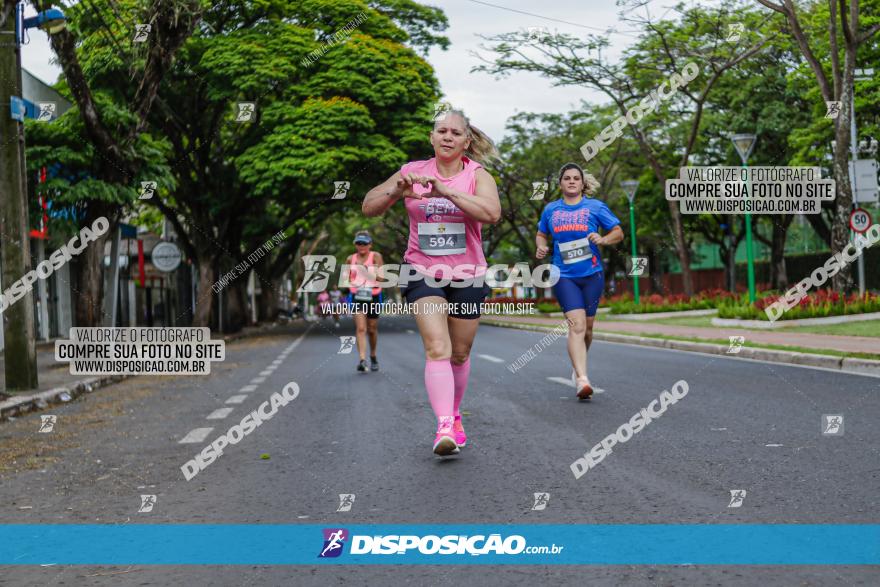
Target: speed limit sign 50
{"points": [[859, 220]]}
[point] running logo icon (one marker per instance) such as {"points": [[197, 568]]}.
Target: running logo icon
{"points": [[47, 423], [47, 111], [735, 31], [147, 503], [246, 111], [346, 500], [638, 265], [539, 190], [736, 344], [440, 110], [141, 31], [832, 425], [736, 498], [148, 188], [340, 189], [541, 501], [538, 33], [334, 540], [319, 268], [833, 109], [346, 344]]}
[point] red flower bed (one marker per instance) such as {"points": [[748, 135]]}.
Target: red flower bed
{"points": [[816, 304]]}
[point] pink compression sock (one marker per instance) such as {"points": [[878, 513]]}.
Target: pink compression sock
{"points": [[461, 373], [441, 386]]}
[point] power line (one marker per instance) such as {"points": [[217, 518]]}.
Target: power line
{"points": [[583, 26]]}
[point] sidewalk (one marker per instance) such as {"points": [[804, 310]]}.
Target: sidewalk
{"points": [[844, 344], [56, 384], [50, 372]]}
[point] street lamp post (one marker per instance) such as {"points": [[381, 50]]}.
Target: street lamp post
{"points": [[744, 144], [20, 355], [630, 186]]}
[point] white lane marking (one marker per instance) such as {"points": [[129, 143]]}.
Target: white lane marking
{"points": [[247, 388], [562, 380], [258, 380], [266, 372], [236, 399], [410, 331], [292, 346], [773, 445], [195, 435], [277, 363], [717, 429], [220, 413], [491, 358]]}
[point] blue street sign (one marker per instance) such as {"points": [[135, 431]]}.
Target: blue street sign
{"points": [[17, 108]]}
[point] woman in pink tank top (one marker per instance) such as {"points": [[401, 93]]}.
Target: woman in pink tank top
{"points": [[365, 297], [447, 198]]}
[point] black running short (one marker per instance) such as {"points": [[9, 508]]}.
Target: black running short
{"points": [[463, 302], [371, 309]]}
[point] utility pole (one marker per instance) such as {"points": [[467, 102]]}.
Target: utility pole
{"points": [[20, 353]]}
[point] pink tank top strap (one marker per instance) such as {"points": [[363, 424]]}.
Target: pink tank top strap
{"points": [[357, 277]]}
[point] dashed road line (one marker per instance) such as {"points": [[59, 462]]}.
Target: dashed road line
{"points": [[196, 435]]}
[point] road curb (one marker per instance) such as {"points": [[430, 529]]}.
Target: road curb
{"points": [[16, 406], [847, 365], [648, 316], [782, 324], [23, 404]]}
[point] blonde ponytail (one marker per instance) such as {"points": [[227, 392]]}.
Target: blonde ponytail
{"points": [[482, 148], [591, 184]]}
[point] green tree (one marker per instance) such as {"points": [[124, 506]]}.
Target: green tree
{"points": [[841, 31], [113, 82], [335, 101]]}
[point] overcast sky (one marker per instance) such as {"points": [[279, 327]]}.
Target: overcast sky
{"points": [[487, 102]]}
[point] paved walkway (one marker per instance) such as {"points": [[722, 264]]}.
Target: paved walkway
{"points": [[847, 344], [52, 373]]}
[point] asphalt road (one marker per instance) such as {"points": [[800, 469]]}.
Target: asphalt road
{"points": [[743, 425]]}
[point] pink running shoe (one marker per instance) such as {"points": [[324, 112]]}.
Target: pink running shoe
{"points": [[458, 429], [444, 442]]}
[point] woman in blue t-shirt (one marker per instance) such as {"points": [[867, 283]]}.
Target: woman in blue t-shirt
{"points": [[573, 223]]}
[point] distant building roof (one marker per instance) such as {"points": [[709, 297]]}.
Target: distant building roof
{"points": [[36, 90]]}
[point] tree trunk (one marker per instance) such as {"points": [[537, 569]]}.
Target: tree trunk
{"points": [[654, 270], [268, 301], [841, 282], [235, 315], [681, 247], [778, 273], [90, 272], [204, 295]]}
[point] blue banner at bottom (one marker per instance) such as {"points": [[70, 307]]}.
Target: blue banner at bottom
{"points": [[514, 544]]}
